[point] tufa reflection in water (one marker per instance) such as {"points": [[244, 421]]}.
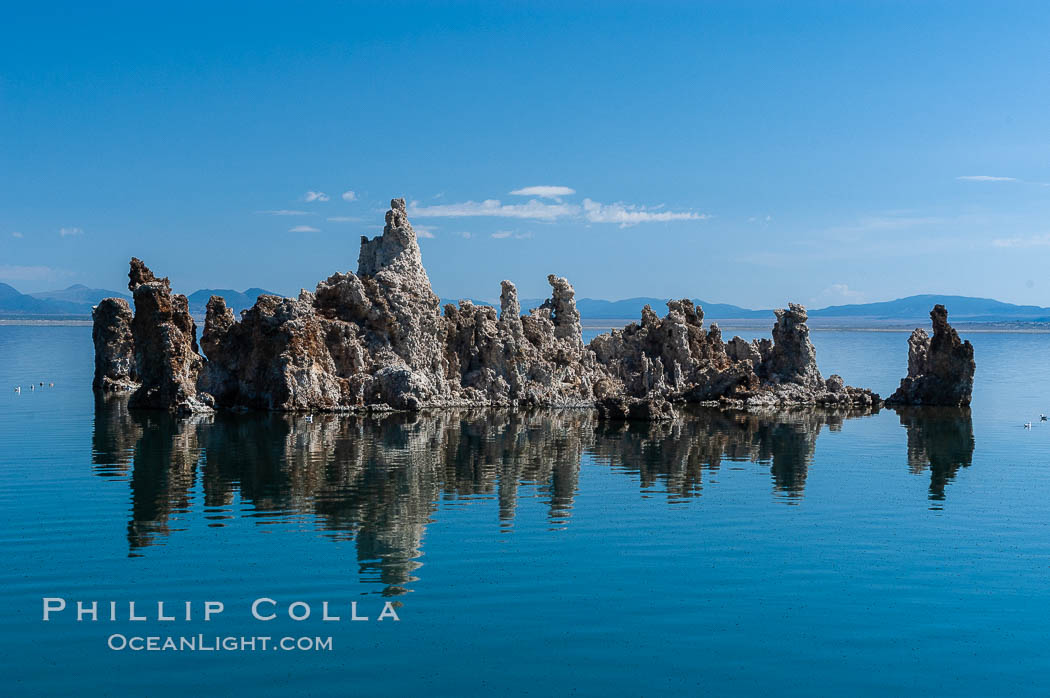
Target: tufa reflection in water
{"points": [[939, 438], [377, 479]]}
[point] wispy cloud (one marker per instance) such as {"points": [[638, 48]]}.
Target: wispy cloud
{"points": [[9, 272], [502, 234], [986, 178], [344, 219], [870, 226], [465, 235], [837, 294], [17, 234], [66, 232], [303, 229], [315, 196], [872, 223], [545, 191], [1027, 241], [505, 234], [627, 215], [424, 231], [493, 208], [349, 195], [285, 212], [591, 211]]}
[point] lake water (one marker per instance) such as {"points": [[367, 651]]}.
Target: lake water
{"points": [[791, 553]]}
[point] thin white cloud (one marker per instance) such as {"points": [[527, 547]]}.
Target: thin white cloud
{"points": [[344, 219], [493, 208], [507, 234], [863, 227], [66, 232], [627, 215], [349, 195], [986, 178], [17, 234], [1029, 241], [837, 294], [465, 235], [424, 231], [315, 196], [10, 272], [303, 229], [591, 211], [545, 191], [866, 223], [285, 212]]}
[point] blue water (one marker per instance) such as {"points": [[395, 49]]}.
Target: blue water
{"points": [[793, 553]]}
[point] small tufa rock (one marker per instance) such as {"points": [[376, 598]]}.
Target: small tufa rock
{"points": [[619, 408], [114, 346], [940, 368], [793, 358]]}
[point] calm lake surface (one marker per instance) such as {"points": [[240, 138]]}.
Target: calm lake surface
{"points": [[792, 553]]}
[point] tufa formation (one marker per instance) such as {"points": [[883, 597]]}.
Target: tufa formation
{"points": [[378, 340], [940, 368]]}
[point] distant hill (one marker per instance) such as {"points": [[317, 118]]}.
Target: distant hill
{"points": [[77, 301], [910, 309], [960, 308], [15, 303], [632, 308], [8, 292], [79, 293], [236, 300], [475, 301], [598, 309]]}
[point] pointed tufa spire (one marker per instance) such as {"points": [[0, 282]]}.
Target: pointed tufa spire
{"points": [[940, 368], [141, 274], [397, 248]]}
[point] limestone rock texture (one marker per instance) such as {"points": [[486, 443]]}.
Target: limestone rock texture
{"points": [[114, 346], [940, 368], [167, 358], [377, 339], [674, 358]]}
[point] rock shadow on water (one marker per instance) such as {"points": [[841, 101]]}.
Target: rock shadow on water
{"points": [[377, 480], [939, 439]]}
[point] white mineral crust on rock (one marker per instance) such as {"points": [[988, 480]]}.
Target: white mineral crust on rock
{"points": [[377, 339]]}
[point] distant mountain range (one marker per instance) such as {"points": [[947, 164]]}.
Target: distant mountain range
{"points": [[76, 302], [236, 300], [597, 309], [911, 309]]}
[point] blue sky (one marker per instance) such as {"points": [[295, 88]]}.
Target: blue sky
{"points": [[751, 152]]}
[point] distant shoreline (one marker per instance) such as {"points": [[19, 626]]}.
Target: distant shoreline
{"points": [[44, 323], [723, 324], [819, 325]]}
